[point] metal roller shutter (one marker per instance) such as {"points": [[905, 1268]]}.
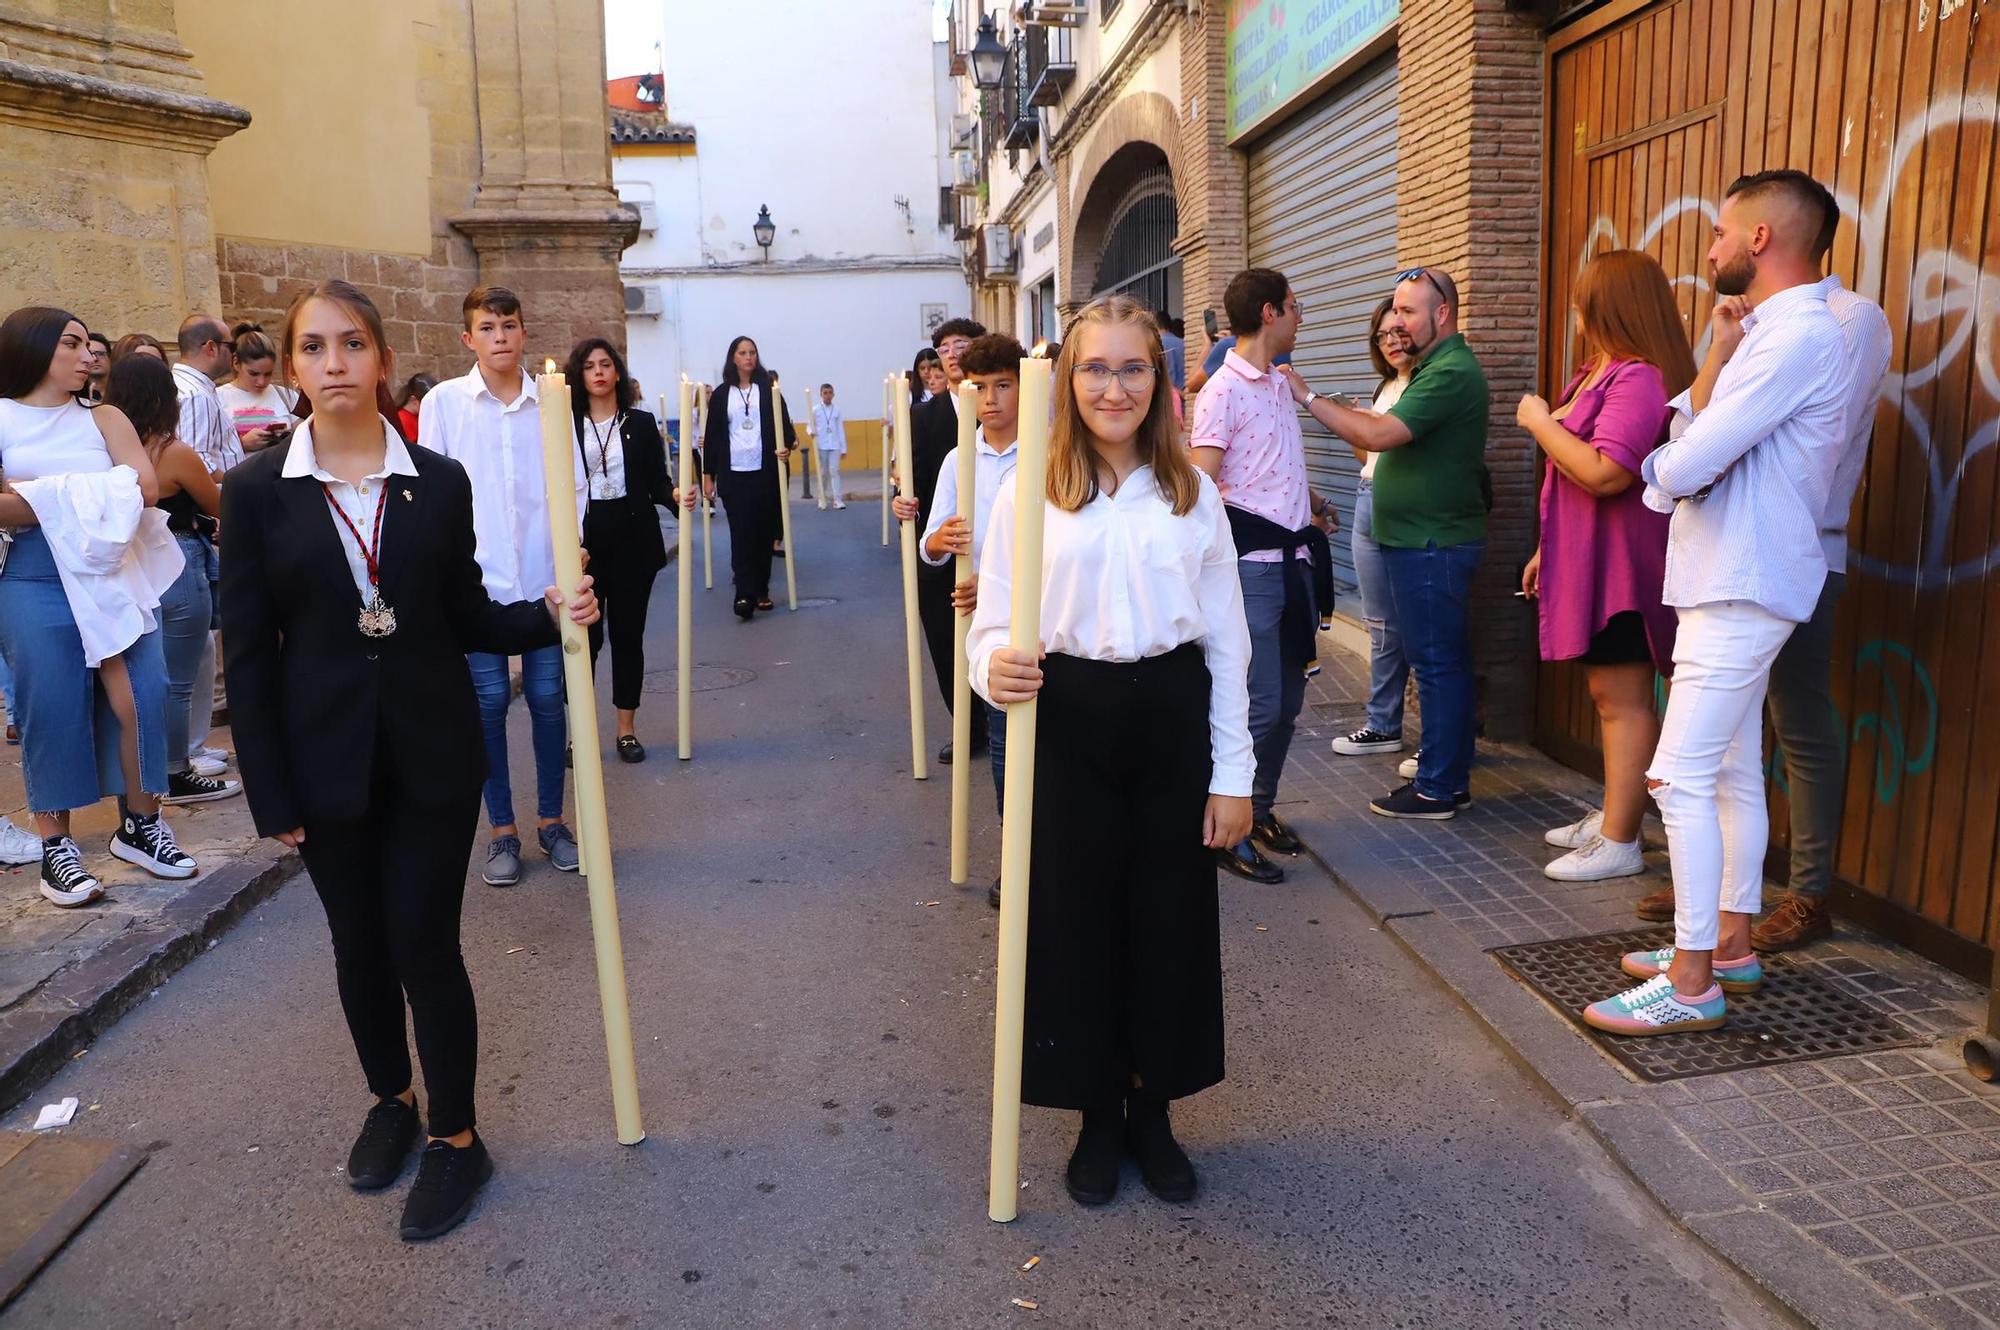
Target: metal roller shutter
{"points": [[1322, 194]]}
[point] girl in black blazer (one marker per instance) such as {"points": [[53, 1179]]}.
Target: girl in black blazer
{"points": [[741, 452], [626, 460], [352, 598]]}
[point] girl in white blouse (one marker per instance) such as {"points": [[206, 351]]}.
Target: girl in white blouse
{"points": [[1143, 761]]}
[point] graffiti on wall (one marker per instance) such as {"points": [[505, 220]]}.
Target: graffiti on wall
{"points": [[1948, 289]]}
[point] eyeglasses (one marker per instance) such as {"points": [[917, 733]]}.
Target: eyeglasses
{"points": [[1412, 274], [1388, 338], [1097, 377]]}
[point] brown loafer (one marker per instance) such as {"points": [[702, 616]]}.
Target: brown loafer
{"points": [[1657, 908], [1793, 922]]}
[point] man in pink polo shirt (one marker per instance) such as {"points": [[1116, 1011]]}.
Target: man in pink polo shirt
{"points": [[1246, 437]]}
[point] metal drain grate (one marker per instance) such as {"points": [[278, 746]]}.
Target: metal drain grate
{"points": [[1795, 1017], [707, 678], [818, 602]]}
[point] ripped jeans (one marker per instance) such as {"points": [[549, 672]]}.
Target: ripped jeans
{"points": [[1710, 765]]}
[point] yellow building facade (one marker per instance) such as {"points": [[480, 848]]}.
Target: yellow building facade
{"points": [[161, 158]]}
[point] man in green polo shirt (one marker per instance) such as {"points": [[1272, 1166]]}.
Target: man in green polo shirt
{"points": [[1430, 520]]}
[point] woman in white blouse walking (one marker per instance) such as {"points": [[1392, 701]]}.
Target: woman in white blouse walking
{"points": [[1143, 764]]}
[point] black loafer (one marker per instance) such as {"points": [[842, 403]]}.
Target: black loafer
{"points": [[1275, 835], [448, 1179], [1247, 861], [383, 1147], [767, 604], [1163, 1166], [993, 894], [630, 749], [1092, 1175], [745, 608], [944, 756]]}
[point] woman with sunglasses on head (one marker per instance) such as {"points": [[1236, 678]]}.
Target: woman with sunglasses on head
{"points": [[90, 682], [353, 597], [626, 461], [1143, 763], [741, 449]]}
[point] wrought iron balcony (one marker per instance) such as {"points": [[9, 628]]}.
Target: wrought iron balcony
{"points": [[1051, 63], [1018, 121]]}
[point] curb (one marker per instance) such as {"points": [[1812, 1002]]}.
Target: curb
{"points": [[1696, 1195], [80, 1002]]}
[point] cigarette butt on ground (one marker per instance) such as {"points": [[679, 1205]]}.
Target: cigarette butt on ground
{"points": [[1032, 1262], [512, 950], [1027, 1304], [1262, 929]]}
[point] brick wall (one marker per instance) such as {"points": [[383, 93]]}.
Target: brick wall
{"points": [[1214, 226], [419, 298], [1469, 197]]}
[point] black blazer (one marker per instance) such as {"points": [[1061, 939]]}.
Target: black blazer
{"points": [[310, 699], [647, 485], [933, 434], [715, 435]]}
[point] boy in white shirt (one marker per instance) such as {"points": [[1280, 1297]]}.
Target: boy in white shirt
{"points": [[830, 439], [489, 422], [992, 365]]}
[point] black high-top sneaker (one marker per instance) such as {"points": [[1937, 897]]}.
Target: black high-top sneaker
{"points": [[64, 880], [147, 840]]}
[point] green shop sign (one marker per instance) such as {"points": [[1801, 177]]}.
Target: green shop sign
{"points": [[1280, 50]]}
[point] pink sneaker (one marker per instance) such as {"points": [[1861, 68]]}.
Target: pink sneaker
{"points": [[1655, 1008], [1744, 976]]}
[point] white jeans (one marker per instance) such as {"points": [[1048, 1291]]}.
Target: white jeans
{"points": [[1711, 763], [829, 475]]}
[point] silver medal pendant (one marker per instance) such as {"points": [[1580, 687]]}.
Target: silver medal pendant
{"points": [[377, 619]]}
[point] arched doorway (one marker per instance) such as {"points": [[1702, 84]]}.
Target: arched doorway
{"points": [[1138, 256]]}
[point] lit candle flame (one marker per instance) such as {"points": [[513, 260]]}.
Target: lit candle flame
{"points": [[548, 367]]}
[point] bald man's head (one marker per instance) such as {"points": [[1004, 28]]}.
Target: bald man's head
{"points": [[1781, 221]]}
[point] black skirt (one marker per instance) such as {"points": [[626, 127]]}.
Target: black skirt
{"points": [[1124, 941]]}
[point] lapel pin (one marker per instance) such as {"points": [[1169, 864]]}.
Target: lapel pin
{"points": [[407, 495]]}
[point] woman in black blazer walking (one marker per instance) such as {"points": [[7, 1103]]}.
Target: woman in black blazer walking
{"points": [[741, 450], [626, 460], [352, 597]]}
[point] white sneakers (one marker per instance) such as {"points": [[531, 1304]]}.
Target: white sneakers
{"points": [[208, 762], [1573, 836], [18, 846], [1597, 859]]}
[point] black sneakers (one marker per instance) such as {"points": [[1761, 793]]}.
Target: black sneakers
{"points": [[64, 879], [1405, 802], [448, 1179], [383, 1146], [1367, 740], [188, 787], [149, 842]]}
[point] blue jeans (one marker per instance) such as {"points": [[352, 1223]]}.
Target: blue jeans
{"points": [[996, 753], [542, 686], [1388, 668], [6, 690], [1277, 677], [184, 617], [1430, 588]]}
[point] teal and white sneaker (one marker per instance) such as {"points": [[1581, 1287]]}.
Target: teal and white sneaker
{"points": [[1654, 1008], [1744, 976]]}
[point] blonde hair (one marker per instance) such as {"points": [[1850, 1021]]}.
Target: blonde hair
{"points": [[1073, 461]]}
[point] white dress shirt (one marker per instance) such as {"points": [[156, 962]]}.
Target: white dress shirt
{"points": [[990, 468], [1764, 451], [1124, 579], [1390, 394], [500, 448], [1866, 331], [357, 501], [604, 456], [746, 429], [113, 554], [204, 425], [829, 430]]}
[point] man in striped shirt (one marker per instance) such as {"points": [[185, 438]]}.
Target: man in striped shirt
{"points": [[205, 361]]}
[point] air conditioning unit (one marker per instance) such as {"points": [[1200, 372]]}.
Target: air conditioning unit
{"points": [[964, 172], [998, 247], [643, 302], [963, 127], [649, 218]]}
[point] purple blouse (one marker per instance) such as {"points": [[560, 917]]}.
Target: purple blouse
{"points": [[1602, 557]]}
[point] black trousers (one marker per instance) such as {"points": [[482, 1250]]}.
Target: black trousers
{"points": [[393, 883], [935, 613], [623, 578], [750, 499], [1124, 938]]}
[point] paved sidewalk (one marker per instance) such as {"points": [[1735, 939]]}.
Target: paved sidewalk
{"points": [[66, 975], [1861, 1190]]}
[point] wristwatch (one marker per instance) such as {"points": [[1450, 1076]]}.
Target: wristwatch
{"points": [[1311, 397]]}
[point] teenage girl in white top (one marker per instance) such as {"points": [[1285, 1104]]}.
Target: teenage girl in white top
{"points": [[1143, 762]]}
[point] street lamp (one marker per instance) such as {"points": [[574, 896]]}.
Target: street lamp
{"points": [[989, 57], [765, 229]]}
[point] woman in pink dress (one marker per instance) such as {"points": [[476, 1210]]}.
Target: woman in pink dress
{"points": [[1602, 558]]}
